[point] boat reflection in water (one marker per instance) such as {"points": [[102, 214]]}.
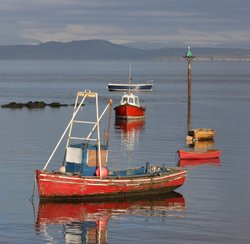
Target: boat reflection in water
{"points": [[197, 146], [86, 222], [198, 162], [130, 132]]}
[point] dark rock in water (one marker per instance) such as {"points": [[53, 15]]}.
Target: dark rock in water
{"points": [[57, 105], [13, 105], [36, 104], [33, 105]]}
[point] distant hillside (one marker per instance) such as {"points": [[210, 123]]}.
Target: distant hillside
{"points": [[104, 50]]}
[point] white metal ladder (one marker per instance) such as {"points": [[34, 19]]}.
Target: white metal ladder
{"points": [[83, 95]]}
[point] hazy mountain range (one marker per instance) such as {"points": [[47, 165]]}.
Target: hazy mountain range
{"points": [[105, 50]]}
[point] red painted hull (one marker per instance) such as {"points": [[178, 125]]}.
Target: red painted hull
{"points": [[62, 187], [128, 111], [210, 153]]}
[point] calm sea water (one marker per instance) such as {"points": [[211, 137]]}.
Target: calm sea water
{"points": [[213, 206]]}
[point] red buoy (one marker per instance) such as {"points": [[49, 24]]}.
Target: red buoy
{"points": [[104, 171]]}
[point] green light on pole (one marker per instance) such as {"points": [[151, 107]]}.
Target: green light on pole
{"points": [[189, 57]]}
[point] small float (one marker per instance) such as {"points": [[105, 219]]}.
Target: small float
{"points": [[84, 174]]}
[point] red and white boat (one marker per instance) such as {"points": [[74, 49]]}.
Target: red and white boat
{"points": [[199, 154], [56, 186], [130, 108], [84, 174]]}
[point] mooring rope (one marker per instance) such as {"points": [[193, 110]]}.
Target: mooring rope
{"points": [[33, 191]]}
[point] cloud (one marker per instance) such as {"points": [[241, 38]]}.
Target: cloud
{"points": [[71, 32], [121, 21]]}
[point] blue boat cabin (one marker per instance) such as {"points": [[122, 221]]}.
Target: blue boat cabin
{"points": [[82, 159]]}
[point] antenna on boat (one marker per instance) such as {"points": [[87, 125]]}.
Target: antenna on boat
{"points": [[107, 132], [129, 77]]}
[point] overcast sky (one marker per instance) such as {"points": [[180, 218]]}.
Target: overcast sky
{"points": [[174, 22]]}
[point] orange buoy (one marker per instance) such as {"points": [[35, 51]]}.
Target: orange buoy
{"points": [[104, 171]]}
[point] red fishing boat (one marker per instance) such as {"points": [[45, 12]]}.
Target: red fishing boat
{"points": [[199, 154], [129, 108], [133, 182], [84, 174]]}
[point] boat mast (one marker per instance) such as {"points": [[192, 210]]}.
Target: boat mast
{"points": [[99, 159], [129, 77]]}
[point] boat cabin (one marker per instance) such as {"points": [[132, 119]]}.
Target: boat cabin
{"points": [[82, 159], [129, 98]]}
